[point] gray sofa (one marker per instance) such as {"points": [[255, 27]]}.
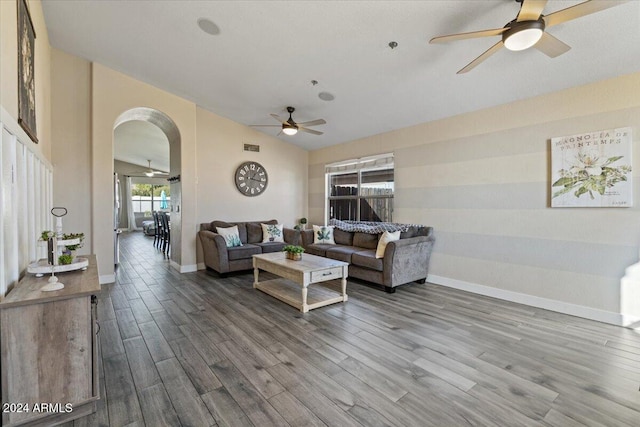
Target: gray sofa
{"points": [[405, 260], [218, 257]]}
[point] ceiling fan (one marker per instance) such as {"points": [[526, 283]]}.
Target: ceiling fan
{"points": [[290, 127], [150, 173], [528, 29]]}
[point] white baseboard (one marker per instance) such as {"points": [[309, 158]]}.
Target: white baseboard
{"points": [[183, 268], [188, 268], [107, 278], [617, 319], [201, 266]]}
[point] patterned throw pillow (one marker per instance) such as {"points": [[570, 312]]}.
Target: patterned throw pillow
{"points": [[231, 236], [384, 239], [272, 233], [323, 234]]}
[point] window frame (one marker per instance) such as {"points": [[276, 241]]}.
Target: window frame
{"points": [[359, 166]]}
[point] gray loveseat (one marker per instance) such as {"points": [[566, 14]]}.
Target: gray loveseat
{"points": [[405, 260], [218, 257]]}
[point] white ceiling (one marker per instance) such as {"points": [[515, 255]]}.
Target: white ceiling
{"points": [[137, 142], [267, 53]]}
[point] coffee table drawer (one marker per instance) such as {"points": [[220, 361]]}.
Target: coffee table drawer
{"points": [[324, 275]]}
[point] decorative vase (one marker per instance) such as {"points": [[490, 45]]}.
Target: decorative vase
{"points": [[294, 256]]}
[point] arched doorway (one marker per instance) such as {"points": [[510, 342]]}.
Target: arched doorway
{"points": [[170, 130]]}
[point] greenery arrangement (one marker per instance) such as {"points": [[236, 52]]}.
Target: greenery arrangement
{"points": [[46, 235], [65, 259], [71, 236], [590, 174], [301, 224], [293, 252], [293, 249]]}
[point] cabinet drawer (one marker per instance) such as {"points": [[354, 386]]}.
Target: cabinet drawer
{"points": [[324, 275]]}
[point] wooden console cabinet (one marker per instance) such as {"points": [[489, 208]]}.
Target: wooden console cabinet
{"points": [[49, 350]]}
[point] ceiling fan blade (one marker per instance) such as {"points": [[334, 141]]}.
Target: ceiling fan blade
{"points": [[487, 53], [314, 132], [531, 10], [313, 123], [551, 46], [270, 126], [579, 10], [278, 118], [471, 35]]}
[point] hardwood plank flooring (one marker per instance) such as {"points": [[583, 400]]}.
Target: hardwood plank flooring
{"points": [[199, 350]]}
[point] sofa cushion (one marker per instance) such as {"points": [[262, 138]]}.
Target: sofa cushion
{"points": [[368, 259], [230, 235], [365, 240], [242, 228], [272, 233], [254, 230], [271, 246], [342, 253], [242, 252], [342, 237], [319, 249], [323, 234], [384, 240]]}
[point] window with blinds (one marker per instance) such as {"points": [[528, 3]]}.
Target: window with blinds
{"points": [[361, 189]]}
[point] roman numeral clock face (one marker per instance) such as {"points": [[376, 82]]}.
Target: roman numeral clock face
{"points": [[251, 179]]}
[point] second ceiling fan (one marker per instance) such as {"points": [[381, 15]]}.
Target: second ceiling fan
{"points": [[528, 29], [290, 127]]}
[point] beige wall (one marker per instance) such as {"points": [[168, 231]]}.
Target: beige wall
{"points": [[71, 134], [9, 71], [220, 152], [114, 93], [482, 180]]}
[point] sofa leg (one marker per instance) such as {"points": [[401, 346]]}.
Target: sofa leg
{"points": [[390, 289], [422, 281]]}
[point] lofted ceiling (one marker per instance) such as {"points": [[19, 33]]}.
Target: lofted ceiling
{"points": [[266, 53]]}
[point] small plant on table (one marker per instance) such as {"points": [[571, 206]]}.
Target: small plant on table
{"points": [[293, 252]]}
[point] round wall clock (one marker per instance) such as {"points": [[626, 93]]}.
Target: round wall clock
{"points": [[251, 179]]}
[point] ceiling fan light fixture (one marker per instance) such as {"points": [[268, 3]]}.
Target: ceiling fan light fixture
{"points": [[149, 174], [289, 129], [523, 35]]}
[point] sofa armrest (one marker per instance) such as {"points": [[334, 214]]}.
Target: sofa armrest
{"points": [[407, 260], [291, 236], [214, 249], [306, 237]]}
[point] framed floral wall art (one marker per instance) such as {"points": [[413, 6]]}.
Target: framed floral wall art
{"points": [[592, 169], [26, 71]]}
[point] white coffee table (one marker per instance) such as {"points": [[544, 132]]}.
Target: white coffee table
{"points": [[293, 285]]}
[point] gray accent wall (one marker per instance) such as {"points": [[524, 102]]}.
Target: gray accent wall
{"points": [[482, 180]]}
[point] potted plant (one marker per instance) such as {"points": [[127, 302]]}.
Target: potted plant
{"points": [[303, 223], [72, 236], [293, 252], [65, 259]]}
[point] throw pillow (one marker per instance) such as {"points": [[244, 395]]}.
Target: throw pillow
{"points": [[272, 233], [384, 239], [231, 236], [323, 234]]}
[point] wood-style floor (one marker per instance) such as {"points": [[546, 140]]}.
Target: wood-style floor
{"points": [[197, 350]]}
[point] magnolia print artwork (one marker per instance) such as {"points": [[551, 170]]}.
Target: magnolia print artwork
{"points": [[592, 169]]}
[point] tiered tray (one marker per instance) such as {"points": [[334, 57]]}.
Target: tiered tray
{"points": [[42, 267]]}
